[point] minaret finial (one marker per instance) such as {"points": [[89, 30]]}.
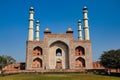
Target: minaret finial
{"points": [[31, 25], [37, 30], [79, 30], [86, 27]]}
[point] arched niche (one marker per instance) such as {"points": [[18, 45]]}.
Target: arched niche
{"points": [[79, 51], [37, 51], [79, 63], [37, 63]]}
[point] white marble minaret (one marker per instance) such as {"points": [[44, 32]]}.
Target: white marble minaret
{"points": [[31, 27], [86, 27], [37, 30], [79, 30]]}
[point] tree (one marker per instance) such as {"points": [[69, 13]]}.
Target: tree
{"points": [[6, 60], [111, 59]]}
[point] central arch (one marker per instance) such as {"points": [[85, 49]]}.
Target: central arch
{"points": [[58, 50]]}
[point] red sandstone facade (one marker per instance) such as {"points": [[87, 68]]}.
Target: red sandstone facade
{"points": [[58, 51]]}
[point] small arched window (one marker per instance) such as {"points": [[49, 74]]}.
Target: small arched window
{"points": [[58, 52]]}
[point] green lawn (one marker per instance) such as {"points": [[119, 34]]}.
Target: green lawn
{"points": [[58, 77]]}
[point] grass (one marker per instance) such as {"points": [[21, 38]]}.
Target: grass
{"points": [[58, 77]]}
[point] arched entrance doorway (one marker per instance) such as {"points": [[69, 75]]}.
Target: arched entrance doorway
{"points": [[59, 64], [58, 55]]}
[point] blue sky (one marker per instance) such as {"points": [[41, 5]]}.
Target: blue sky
{"points": [[58, 16]]}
